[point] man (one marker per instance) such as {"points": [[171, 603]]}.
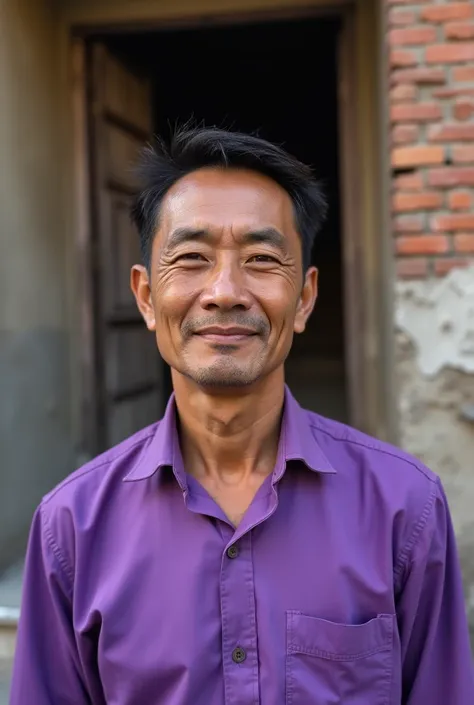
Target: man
{"points": [[242, 550]]}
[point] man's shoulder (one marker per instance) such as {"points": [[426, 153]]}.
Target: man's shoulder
{"points": [[355, 452], [107, 469], [387, 486]]}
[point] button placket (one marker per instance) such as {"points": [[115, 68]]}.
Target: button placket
{"points": [[239, 634]]}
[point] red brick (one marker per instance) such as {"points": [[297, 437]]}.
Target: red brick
{"points": [[459, 30], [402, 134], [444, 265], [412, 36], [454, 221], [418, 112], [400, 18], [405, 2], [420, 76], [463, 154], [399, 57], [409, 182], [449, 11], [463, 110], [417, 156], [425, 200], [451, 176], [415, 268], [402, 92], [452, 92], [451, 133], [459, 200], [464, 242], [422, 245], [450, 53], [409, 224], [463, 74]]}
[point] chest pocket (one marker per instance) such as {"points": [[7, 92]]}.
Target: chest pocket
{"points": [[329, 663]]}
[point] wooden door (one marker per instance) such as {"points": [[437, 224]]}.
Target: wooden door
{"points": [[128, 369]]}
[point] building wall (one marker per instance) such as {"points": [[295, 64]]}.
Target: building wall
{"points": [[432, 158], [35, 439]]}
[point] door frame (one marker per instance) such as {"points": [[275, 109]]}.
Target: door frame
{"points": [[365, 203]]}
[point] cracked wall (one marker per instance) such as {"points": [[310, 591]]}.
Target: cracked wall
{"points": [[435, 368]]}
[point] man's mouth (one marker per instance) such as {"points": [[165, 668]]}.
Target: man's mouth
{"points": [[225, 336]]}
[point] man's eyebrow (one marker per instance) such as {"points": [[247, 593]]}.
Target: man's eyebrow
{"points": [[269, 236], [183, 235]]}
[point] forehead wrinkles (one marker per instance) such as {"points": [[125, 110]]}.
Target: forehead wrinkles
{"points": [[225, 210]]}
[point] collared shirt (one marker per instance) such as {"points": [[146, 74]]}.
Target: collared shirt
{"points": [[340, 585]]}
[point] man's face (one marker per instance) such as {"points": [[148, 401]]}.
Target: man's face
{"points": [[225, 289]]}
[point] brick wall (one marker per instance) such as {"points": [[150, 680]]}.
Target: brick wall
{"points": [[432, 134]]}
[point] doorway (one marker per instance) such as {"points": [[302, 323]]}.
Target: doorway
{"points": [[278, 78]]}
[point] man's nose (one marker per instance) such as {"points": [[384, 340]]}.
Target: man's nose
{"points": [[225, 288]]}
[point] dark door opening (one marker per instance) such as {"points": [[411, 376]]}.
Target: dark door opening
{"points": [[278, 78]]}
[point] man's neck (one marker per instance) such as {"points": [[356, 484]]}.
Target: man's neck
{"points": [[233, 436]]}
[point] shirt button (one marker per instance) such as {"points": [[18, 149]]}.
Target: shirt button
{"points": [[232, 552], [239, 655]]}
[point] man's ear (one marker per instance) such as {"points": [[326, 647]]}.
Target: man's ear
{"points": [[307, 300], [140, 285]]}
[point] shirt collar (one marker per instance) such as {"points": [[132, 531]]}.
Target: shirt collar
{"points": [[297, 442]]}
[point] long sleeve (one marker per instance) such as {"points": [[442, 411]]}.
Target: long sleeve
{"points": [[47, 669], [436, 655]]}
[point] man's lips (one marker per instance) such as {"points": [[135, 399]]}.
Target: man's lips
{"points": [[229, 335]]}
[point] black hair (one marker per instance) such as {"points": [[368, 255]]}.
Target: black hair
{"points": [[193, 148]]}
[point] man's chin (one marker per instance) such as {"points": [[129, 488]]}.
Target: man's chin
{"points": [[217, 377]]}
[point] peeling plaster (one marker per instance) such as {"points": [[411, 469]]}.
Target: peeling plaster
{"points": [[435, 373], [433, 429], [438, 317]]}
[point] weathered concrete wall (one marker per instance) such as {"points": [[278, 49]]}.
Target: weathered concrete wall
{"points": [[35, 439], [435, 366]]}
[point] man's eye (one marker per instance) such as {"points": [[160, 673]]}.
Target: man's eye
{"points": [[263, 259], [195, 256]]}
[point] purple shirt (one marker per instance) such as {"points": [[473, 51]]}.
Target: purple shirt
{"points": [[341, 584]]}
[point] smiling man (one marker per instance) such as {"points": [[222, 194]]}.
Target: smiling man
{"points": [[242, 551]]}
